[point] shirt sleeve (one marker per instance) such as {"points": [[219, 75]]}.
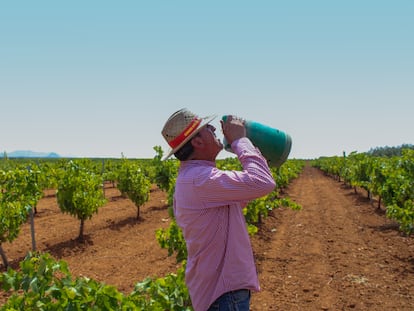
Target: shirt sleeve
{"points": [[223, 187]]}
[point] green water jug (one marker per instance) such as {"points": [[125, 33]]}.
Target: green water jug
{"points": [[274, 144]]}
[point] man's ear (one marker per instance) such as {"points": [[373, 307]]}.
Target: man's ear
{"points": [[197, 142]]}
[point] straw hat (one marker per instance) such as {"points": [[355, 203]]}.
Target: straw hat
{"points": [[181, 127]]}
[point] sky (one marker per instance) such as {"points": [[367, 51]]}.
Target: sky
{"points": [[100, 78]]}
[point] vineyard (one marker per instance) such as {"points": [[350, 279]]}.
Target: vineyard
{"points": [[110, 224]]}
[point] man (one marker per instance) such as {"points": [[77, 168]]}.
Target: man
{"points": [[208, 205]]}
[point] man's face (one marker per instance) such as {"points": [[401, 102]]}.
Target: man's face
{"points": [[213, 145]]}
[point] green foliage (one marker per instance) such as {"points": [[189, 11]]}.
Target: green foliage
{"points": [[399, 191], [21, 184], [284, 174], [108, 170], [229, 164], [169, 293], [133, 183], [389, 151], [258, 208], [172, 239], [171, 190], [359, 167], [19, 194], [49, 176], [252, 229], [165, 171], [333, 166], [80, 192], [403, 214], [287, 202], [391, 179], [45, 284], [12, 215]]}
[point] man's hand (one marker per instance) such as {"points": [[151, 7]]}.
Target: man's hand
{"points": [[233, 128]]}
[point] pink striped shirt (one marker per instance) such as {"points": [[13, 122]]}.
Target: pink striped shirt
{"points": [[208, 205]]}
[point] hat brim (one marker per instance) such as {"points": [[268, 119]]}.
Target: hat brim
{"points": [[204, 122]]}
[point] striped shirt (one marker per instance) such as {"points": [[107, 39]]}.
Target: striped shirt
{"points": [[208, 205]]}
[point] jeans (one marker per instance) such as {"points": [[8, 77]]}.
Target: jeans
{"points": [[238, 300]]}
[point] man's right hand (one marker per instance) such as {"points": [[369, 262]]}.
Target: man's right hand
{"points": [[233, 128]]}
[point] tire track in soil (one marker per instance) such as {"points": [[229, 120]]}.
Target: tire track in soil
{"points": [[337, 253]]}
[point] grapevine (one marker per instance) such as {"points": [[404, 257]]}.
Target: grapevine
{"points": [[80, 193]]}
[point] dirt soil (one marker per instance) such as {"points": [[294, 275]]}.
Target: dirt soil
{"points": [[338, 253]]}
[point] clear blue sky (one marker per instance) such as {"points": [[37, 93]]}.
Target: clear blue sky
{"points": [[99, 78]]}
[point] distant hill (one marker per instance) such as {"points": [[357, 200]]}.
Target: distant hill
{"points": [[31, 154]]}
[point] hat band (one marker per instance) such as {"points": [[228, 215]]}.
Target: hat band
{"points": [[184, 134]]}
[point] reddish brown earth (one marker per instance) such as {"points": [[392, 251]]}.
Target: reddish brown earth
{"points": [[338, 253]]}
